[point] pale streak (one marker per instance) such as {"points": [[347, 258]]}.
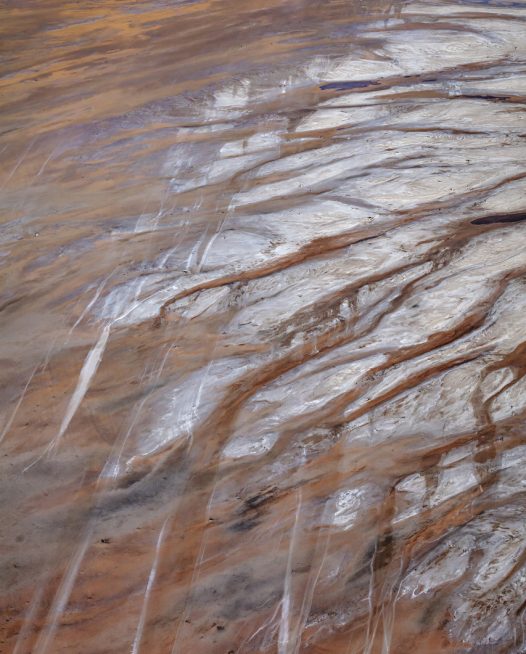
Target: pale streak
{"points": [[136, 646], [209, 245], [266, 624], [63, 594], [88, 371], [197, 401], [389, 621], [66, 587], [20, 399], [90, 304], [42, 167], [193, 251], [111, 468], [309, 594], [17, 406], [29, 620], [368, 638], [87, 308], [19, 162], [195, 575], [202, 547], [284, 626], [91, 363]]}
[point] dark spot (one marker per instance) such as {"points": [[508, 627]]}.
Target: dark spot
{"points": [[105, 540], [220, 627], [500, 218]]}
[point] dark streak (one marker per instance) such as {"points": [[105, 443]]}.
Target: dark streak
{"points": [[500, 218], [341, 86], [258, 500], [492, 98], [245, 525]]}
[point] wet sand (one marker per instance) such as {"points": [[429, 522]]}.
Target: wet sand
{"points": [[263, 335]]}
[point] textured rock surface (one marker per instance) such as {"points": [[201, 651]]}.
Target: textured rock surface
{"points": [[263, 327]]}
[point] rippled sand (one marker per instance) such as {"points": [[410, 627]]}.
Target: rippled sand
{"points": [[263, 327]]}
